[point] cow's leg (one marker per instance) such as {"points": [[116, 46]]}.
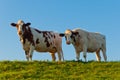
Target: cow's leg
{"points": [[77, 55], [62, 55], [31, 52], [61, 52], [98, 55], [85, 53], [104, 54], [59, 55], [53, 56], [27, 55]]}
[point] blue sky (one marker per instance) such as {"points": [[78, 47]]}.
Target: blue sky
{"points": [[58, 15]]}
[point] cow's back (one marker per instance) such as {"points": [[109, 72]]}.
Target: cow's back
{"points": [[46, 41], [91, 40]]}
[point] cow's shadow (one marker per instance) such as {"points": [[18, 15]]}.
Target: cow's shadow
{"points": [[81, 61]]}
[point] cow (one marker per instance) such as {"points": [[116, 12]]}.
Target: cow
{"points": [[40, 41], [84, 41]]}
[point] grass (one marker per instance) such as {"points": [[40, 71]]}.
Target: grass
{"points": [[68, 70]]}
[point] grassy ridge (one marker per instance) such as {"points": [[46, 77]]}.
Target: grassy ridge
{"points": [[69, 70]]}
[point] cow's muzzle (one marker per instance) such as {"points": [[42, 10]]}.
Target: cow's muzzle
{"points": [[68, 42]]}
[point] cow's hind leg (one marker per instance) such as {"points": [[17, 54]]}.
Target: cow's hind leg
{"points": [[85, 55], [62, 55], [53, 56], [59, 56], [104, 54], [98, 55]]}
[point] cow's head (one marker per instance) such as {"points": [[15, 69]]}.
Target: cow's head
{"points": [[69, 36], [21, 26]]}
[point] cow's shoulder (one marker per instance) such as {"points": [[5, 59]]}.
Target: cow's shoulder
{"points": [[80, 30]]}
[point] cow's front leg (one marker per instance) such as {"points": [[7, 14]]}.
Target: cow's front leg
{"points": [[27, 55], [77, 55], [31, 52], [85, 53]]}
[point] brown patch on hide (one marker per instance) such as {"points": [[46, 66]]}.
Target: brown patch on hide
{"points": [[37, 30], [52, 35], [27, 34], [37, 41], [46, 36], [74, 35]]}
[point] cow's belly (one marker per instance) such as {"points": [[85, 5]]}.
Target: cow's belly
{"points": [[46, 49], [92, 49]]}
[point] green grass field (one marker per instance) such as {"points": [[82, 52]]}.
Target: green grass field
{"points": [[68, 70]]}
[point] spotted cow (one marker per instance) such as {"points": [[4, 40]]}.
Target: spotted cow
{"points": [[41, 41], [84, 41]]}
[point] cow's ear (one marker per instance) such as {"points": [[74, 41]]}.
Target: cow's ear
{"points": [[13, 24], [62, 34], [27, 24]]}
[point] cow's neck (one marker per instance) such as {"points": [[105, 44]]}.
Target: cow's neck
{"points": [[27, 36], [75, 41]]}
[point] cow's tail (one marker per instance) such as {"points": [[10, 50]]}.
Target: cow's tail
{"points": [[104, 48], [62, 55]]}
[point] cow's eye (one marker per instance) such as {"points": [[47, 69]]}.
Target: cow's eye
{"points": [[71, 36]]}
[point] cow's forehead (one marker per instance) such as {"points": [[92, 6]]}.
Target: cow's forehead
{"points": [[68, 32], [20, 22]]}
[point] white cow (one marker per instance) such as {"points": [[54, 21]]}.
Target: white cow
{"points": [[41, 41], [84, 41]]}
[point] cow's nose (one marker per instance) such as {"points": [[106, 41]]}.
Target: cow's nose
{"points": [[20, 33], [68, 42]]}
